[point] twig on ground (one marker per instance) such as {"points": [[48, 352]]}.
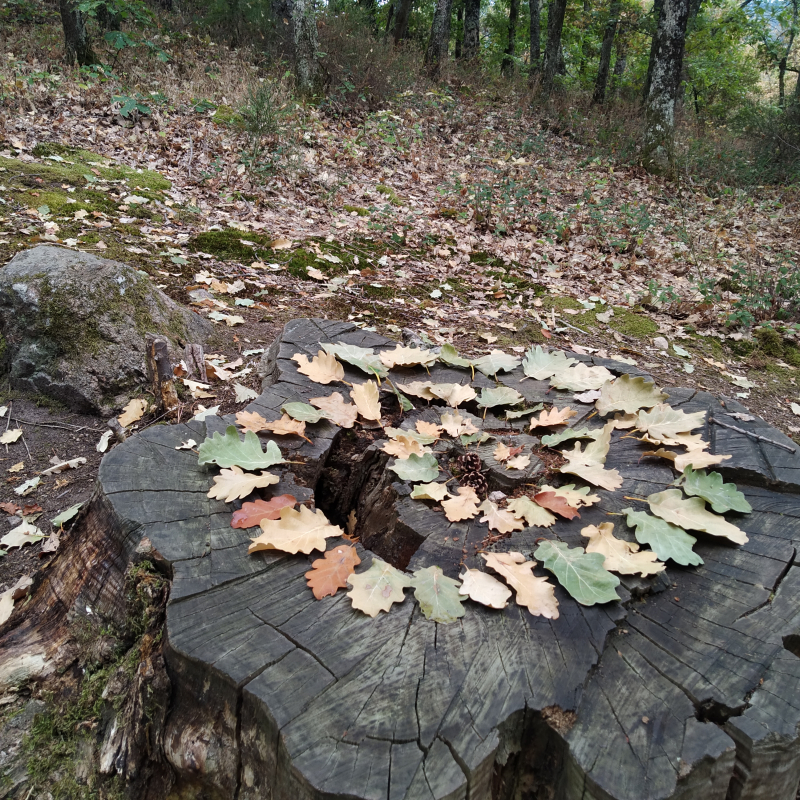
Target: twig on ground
{"points": [[715, 421]]}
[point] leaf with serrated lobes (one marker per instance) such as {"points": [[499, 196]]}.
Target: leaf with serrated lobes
{"points": [[666, 540], [323, 368], [496, 361], [422, 469], [692, 513], [437, 595], [534, 514], [499, 396], [377, 588], [230, 451], [552, 502], [303, 412], [534, 593], [580, 573], [295, 532], [233, 484], [361, 357], [628, 394], [483, 588], [722, 496], [620, 555], [329, 573], [540, 365], [251, 514]]}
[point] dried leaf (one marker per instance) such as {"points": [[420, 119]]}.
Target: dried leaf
{"points": [[580, 378], [437, 595], [484, 589], [449, 355], [361, 357], [197, 390], [628, 394], [620, 556], [462, 506], [575, 497], [234, 484], [697, 459], [541, 365], [588, 464], [251, 421], [428, 428], [554, 416], [420, 389], [581, 574], [63, 466], [286, 426], [251, 514], [499, 396], [554, 439], [422, 468], [496, 361], [532, 513], [430, 491], [23, 534], [377, 588], [403, 446], [552, 502], [244, 394], [535, 594], [501, 453], [330, 573], [691, 514], [498, 519], [295, 532], [303, 412], [336, 410], [456, 425], [663, 422], [133, 412], [323, 368], [366, 396], [518, 462], [454, 394], [10, 436], [407, 357]]}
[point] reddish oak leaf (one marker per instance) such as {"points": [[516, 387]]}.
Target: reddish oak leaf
{"points": [[10, 508], [251, 514], [557, 504], [329, 574]]}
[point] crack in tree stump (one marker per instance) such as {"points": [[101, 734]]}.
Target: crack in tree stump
{"points": [[689, 687]]}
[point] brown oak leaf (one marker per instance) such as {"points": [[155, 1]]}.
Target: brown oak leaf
{"points": [[329, 574], [552, 502], [251, 514]]}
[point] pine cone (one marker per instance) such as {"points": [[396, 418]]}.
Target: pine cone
{"points": [[476, 481], [469, 462]]}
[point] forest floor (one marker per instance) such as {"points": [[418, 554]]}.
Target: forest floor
{"points": [[463, 214]]}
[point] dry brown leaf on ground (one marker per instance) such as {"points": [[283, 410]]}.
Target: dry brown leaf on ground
{"points": [[430, 491], [286, 426], [251, 421], [690, 513], [621, 556], [462, 506], [498, 519], [235, 484], [404, 446], [329, 573], [428, 428], [251, 514], [133, 412], [295, 532], [323, 368], [555, 416], [501, 453], [534, 514], [453, 393], [518, 462], [337, 411], [366, 396], [664, 422], [483, 588], [535, 594], [575, 497], [556, 503], [696, 459], [588, 463], [10, 436], [421, 389], [456, 425], [197, 390], [407, 357]]}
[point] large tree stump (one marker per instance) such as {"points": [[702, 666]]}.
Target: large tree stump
{"points": [[686, 688]]}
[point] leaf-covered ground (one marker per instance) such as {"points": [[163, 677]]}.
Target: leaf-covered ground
{"points": [[462, 214]]}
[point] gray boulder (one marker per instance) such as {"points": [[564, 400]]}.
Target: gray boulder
{"points": [[73, 326]]}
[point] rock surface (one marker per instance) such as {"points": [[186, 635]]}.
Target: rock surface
{"points": [[73, 326]]}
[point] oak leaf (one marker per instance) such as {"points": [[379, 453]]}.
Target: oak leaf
{"points": [[555, 416], [437, 595], [133, 412], [501, 453], [496, 361], [286, 426], [428, 428], [552, 502], [581, 574], [483, 588], [361, 357], [666, 540], [722, 496], [230, 451], [691, 513], [541, 365], [323, 368], [251, 421], [431, 491], [553, 439], [329, 573], [403, 446], [499, 396], [336, 410], [518, 462], [664, 422], [588, 464], [251, 514], [575, 497], [697, 459], [377, 588], [234, 484], [628, 394], [462, 506], [456, 425], [416, 468], [534, 514], [535, 594], [498, 519], [303, 412], [452, 393], [620, 556], [420, 389], [13, 434], [580, 378], [366, 396], [295, 532], [407, 357]]}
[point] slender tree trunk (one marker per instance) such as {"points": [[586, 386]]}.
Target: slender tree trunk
{"points": [[459, 29], [401, 17], [782, 83], [76, 43], [658, 8], [106, 19], [507, 67], [439, 43], [282, 15], [587, 11], [620, 63], [308, 76], [552, 51], [604, 67], [472, 28], [536, 35], [796, 99], [657, 152]]}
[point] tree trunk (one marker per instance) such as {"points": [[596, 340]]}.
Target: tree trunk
{"points": [[605, 52], [472, 28], [401, 16], [657, 152], [620, 63], [284, 30], [658, 8], [308, 77], [782, 83], [107, 20], [555, 24], [459, 29], [536, 34], [439, 43], [507, 67], [76, 43]]}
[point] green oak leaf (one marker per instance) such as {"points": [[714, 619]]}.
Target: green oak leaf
{"points": [[496, 361], [422, 438], [303, 412], [230, 451], [437, 595], [579, 572], [665, 539], [499, 396], [628, 394], [722, 496], [540, 365], [691, 513], [480, 437], [66, 516], [524, 412], [422, 469], [449, 355], [552, 439], [375, 589], [361, 357]]}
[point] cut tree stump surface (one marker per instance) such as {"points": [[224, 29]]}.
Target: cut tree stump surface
{"points": [[689, 687]]}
